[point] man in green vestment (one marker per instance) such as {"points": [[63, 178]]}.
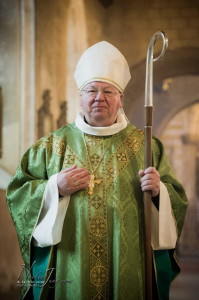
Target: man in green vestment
{"points": [[76, 198]]}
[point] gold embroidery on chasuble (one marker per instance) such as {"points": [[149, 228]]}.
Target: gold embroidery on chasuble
{"points": [[123, 155], [56, 145], [52, 143], [97, 212], [71, 158], [108, 169]]}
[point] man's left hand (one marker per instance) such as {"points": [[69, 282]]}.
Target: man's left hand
{"points": [[150, 181]]}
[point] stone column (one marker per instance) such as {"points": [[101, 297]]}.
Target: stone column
{"points": [[76, 43], [27, 78]]}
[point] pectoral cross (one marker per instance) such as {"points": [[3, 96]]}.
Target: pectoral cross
{"points": [[92, 183]]}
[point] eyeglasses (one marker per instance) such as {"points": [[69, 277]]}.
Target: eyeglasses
{"points": [[92, 93]]}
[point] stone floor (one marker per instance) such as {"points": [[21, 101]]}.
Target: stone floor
{"points": [[186, 285]]}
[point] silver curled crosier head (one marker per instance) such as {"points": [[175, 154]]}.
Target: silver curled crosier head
{"points": [[164, 44], [149, 65]]}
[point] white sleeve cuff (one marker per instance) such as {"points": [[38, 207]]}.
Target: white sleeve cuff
{"points": [[164, 231], [49, 227]]}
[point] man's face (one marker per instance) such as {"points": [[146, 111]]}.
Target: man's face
{"points": [[100, 103]]}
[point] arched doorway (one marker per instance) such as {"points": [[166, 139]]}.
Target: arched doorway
{"points": [[181, 139]]}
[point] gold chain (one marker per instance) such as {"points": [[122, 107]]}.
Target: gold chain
{"points": [[92, 180]]}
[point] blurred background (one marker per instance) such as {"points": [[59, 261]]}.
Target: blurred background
{"points": [[40, 44]]}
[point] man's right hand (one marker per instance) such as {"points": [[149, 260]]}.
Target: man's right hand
{"points": [[72, 180]]}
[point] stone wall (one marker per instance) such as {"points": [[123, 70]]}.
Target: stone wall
{"points": [[130, 24]]}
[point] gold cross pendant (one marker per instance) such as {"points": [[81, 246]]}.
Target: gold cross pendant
{"points": [[92, 183]]}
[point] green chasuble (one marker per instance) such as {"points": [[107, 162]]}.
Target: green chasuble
{"points": [[101, 254]]}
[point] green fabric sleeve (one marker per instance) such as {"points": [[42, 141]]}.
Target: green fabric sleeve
{"points": [[24, 196], [25, 193], [175, 189]]}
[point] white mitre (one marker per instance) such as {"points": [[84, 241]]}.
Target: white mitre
{"points": [[102, 62]]}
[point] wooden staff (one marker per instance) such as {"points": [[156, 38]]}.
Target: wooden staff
{"points": [[148, 154]]}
